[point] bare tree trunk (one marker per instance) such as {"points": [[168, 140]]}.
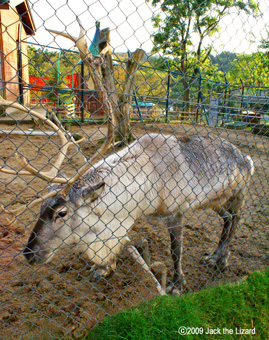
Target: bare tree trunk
{"points": [[100, 78], [121, 104], [125, 99], [109, 81]]}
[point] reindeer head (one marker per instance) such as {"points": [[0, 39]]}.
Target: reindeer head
{"points": [[61, 222], [53, 223]]}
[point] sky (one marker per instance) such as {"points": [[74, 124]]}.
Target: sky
{"points": [[131, 26]]}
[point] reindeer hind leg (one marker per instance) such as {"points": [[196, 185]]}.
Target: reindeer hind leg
{"points": [[230, 213], [176, 235]]}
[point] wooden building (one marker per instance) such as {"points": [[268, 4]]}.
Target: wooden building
{"points": [[16, 23]]}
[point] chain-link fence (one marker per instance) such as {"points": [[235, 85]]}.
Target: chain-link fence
{"points": [[134, 155]]}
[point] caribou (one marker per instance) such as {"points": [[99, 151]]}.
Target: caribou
{"points": [[96, 208], [157, 174]]}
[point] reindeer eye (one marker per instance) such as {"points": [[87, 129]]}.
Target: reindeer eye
{"points": [[61, 214]]}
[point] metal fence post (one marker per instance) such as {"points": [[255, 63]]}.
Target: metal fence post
{"points": [[168, 92]]}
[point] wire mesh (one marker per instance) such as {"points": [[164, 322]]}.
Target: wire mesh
{"points": [[125, 144]]}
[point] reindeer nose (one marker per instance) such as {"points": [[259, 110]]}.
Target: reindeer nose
{"points": [[31, 254]]}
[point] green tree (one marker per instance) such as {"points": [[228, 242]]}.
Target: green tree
{"points": [[251, 69], [43, 62], [224, 60], [211, 78], [182, 21], [151, 82]]}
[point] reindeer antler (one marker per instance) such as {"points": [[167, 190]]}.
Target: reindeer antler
{"points": [[21, 209], [51, 175], [28, 169], [79, 41]]}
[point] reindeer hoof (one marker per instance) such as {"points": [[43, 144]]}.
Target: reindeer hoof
{"points": [[162, 292], [218, 261], [100, 273], [176, 289], [172, 290], [98, 276]]}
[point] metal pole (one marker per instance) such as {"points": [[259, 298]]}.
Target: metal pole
{"points": [[82, 92], [168, 92], [199, 95], [242, 98], [225, 98], [57, 85], [138, 108]]}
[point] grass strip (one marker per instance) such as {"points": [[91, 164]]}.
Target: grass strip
{"points": [[222, 312]]}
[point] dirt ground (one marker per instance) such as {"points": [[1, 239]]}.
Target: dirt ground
{"points": [[61, 298]]}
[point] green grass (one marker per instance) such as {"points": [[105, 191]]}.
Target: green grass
{"points": [[242, 305]]}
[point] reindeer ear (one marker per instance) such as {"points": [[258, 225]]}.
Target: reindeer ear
{"points": [[91, 193]]}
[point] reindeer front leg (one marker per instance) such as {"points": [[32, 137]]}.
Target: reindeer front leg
{"points": [[140, 260], [104, 255], [176, 236]]}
